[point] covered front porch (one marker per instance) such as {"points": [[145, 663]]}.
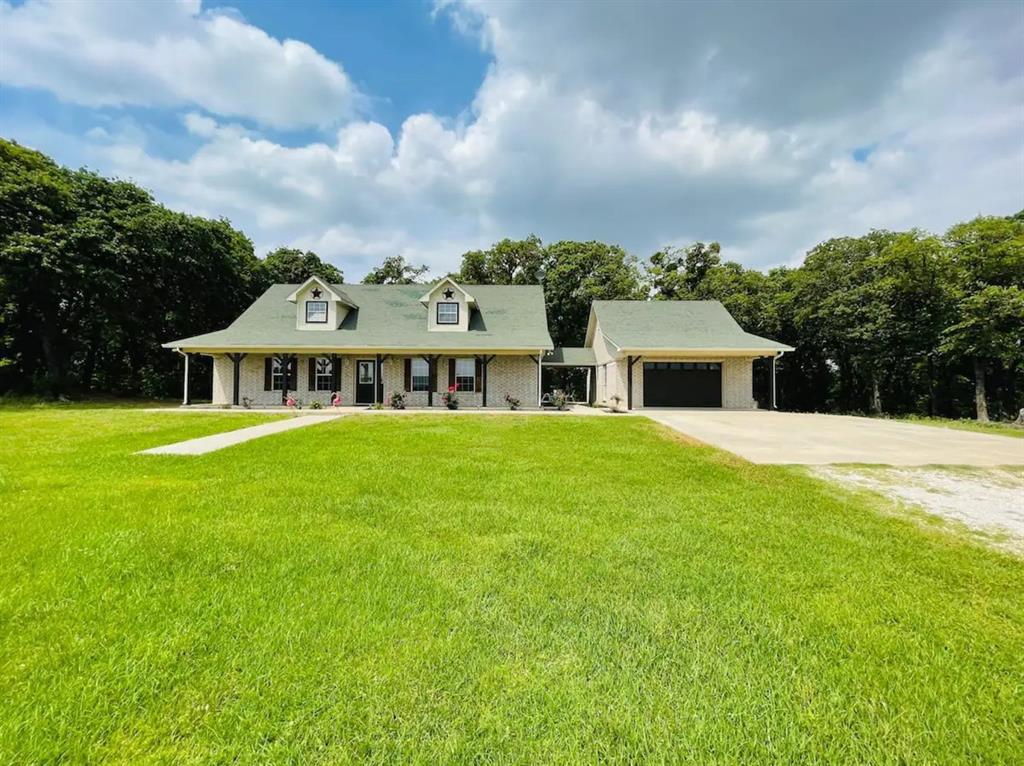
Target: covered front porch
{"points": [[273, 379]]}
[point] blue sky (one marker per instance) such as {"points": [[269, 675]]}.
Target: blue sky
{"points": [[362, 130]]}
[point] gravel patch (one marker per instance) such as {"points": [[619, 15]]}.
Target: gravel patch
{"points": [[987, 501]]}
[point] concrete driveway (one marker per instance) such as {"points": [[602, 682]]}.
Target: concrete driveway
{"points": [[806, 439]]}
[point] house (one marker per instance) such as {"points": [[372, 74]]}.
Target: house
{"points": [[485, 341], [366, 341]]}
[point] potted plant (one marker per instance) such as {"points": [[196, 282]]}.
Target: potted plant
{"points": [[397, 400], [451, 401], [616, 399], [559, 399], [512, 402], [315, 406]]}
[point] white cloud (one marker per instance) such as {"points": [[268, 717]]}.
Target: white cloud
{"points": [[646, 128], [169, 54]]}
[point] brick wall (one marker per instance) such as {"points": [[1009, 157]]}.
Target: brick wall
{"points": [[516, 375]]}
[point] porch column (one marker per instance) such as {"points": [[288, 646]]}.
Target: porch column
{"points": [[484, 361], [591, 386], [775, 405], [335, 373], [431, 360], [186, 397], [536, 361], [630, 361], [378, 394], [629, 382], [236, 361], [285, 360]]}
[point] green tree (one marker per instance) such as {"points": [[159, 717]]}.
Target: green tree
{"points": [[508, 262], [987, 257], [395, 271], [677, 273], [579, 273], [288, 265]]}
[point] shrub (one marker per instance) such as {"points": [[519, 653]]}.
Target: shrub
{"points": [[316, 406], [559, 399], [397, 400], [512, 402]]}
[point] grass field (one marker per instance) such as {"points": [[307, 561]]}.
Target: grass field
{"points": [[992, 427], [441, 589]]}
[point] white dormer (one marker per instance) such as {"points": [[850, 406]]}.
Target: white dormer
{"points": [[319, 306], [448, 307]]}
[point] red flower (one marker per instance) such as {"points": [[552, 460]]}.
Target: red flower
{"points": [[452, 389]]}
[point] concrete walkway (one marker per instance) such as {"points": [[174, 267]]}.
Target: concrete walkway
{"points": [[811, 439], [215, 442]]}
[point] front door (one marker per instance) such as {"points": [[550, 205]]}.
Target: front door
{"points": [[365, 379]]}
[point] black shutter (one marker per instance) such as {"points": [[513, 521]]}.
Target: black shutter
{"points": [[312, 374], [451, 373], [479, 374], [268, 370], [335, 372], [408, 374]]}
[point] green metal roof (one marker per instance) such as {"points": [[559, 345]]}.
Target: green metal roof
{"points": [[389, 316], [676, 325], [565, 356]]}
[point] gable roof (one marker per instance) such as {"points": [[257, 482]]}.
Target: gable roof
{"points": [[388, 317], [336, 293], [674, 325], [425, 298]]}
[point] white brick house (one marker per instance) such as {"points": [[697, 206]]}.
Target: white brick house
{"points": [[361, 344]]}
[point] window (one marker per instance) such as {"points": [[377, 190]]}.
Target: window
{"points": [[465, 374], [324, 374], [420, 374], [277, 375], [447, 313], [316, 312]]}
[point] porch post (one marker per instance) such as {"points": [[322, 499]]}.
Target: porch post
{"points": [[335, 373], [591, 383], [629, 382], [484, 361], [774, 404], [236, 360], [378, 394], [431, 360], [186, 398], [631, 360]]}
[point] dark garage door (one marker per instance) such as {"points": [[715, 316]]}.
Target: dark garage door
{"points": [[682, 384]]}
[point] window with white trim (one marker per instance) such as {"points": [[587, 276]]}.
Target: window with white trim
{"points": [[447, 313], [316, 312], [277, 375], [419, 371], [465, 374], [324, 374]]}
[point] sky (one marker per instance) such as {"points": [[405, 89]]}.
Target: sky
{"points": [[362, 130]]}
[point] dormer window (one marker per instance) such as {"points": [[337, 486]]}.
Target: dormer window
{"points": [[447, 312], [316, 312]]}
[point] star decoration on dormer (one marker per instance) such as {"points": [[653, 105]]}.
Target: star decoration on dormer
{"points": [[449, 294], [317, 292]]}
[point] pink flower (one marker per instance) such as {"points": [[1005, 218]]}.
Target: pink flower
{"points": [[452, 389]]}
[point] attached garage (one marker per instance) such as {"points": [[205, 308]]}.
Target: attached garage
{"points": [[682, 384]]}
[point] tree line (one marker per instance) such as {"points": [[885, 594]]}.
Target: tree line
{"points": [[95, 275]]}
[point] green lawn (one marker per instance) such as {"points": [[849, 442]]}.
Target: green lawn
{"points": [[441, 589], [992, 427]]}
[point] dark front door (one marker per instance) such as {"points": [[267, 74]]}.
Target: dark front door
{"points": [[682, 384], [365, 378]]}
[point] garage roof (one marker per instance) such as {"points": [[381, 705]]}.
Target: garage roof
{"points": [[675, 326]]}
